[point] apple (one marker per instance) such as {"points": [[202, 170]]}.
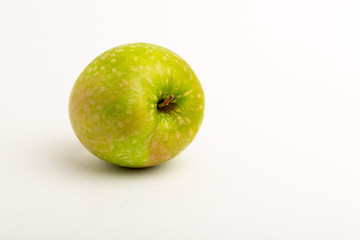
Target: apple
{"points": [[136, 105]]}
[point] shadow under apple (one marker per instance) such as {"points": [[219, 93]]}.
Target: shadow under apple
{"points": [[73, 156]]}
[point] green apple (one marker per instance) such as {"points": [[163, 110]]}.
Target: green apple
{"points": [[136, 105]]}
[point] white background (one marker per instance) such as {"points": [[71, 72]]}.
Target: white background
{"points": [[277, 156]]}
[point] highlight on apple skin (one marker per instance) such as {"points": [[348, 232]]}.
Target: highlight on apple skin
{"points": [[136, 105]]}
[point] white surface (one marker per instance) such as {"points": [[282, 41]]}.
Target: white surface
{"points": [[277, 156]]}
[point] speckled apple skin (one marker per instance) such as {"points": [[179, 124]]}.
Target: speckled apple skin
{"points": [[113, 105]]}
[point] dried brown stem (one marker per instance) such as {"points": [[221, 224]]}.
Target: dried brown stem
{"points": [[166, 102]]}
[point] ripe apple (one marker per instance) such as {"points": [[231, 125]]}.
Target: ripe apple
{"points": [[136, 105]]}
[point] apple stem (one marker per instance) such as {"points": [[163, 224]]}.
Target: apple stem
{"points": [[166, 102]]}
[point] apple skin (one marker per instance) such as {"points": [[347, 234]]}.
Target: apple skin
{"points": [[113, 105]]}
